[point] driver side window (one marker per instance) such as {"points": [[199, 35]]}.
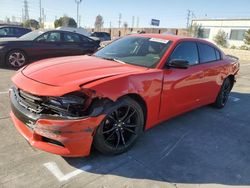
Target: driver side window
{"points": [[50, 37], [186, 51]]}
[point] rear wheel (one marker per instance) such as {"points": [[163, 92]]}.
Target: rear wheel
{"points": [[121, 127], [16, 59], [223, 95]]}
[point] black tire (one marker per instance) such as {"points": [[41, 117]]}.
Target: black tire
{"points": [[16, 59], [121, 127], [223, 95]]}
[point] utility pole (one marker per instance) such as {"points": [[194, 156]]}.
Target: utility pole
{"points": [[78, 3], [42, 18], [137, 22], [120, 20], [40, 8], [188, 17], [26, 10], [80, 17], [133, 22]]}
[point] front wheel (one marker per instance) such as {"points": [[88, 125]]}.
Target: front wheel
{"points": [[120, 128], [16, 59], [223, 95]]}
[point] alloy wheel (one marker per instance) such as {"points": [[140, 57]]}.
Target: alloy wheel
{"points": [[17, 59], [119, 128]]}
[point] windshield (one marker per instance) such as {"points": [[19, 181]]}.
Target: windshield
{"points": [[140, 51], [31, 35]]}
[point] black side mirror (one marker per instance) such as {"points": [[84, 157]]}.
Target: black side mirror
{"points": [[178, 63]]}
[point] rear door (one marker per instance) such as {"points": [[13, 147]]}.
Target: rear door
{"points": [[210, 59], [72, 43]]}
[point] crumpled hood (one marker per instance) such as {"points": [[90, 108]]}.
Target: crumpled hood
{"points": [[75, 70]]}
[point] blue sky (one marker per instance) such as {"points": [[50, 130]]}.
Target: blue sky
{"points": [[170, 13]]}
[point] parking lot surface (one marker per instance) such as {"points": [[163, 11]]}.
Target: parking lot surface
{"points": [[203, 148]]}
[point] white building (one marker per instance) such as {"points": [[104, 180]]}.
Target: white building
{"points": [[49, 25], [234, 28]]}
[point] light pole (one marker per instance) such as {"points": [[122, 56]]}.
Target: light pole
{"points": [[78, 2]]}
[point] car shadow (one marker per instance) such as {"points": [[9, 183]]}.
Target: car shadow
{"points": [[204, 146]]}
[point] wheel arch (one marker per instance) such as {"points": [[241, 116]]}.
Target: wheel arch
{"points": [[138, 98]]}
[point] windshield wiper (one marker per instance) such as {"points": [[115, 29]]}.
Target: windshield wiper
{"points": [[112, 59]]}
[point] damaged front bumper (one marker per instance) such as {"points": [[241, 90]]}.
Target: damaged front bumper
{"points": [[66, 137]]}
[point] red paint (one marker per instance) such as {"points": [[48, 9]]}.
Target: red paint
{"points": [[166, 92]]}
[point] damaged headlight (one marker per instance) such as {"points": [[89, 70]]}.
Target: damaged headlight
{"points": [[72, 104]]}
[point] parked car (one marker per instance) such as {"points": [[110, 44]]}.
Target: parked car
{"points": [[63, 105], [103, 36], [44, 44], [13, 31]]}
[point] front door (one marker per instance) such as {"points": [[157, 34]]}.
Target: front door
{"points": [[182, 88]]}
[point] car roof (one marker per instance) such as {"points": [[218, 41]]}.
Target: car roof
{"points": [[174, 38]]}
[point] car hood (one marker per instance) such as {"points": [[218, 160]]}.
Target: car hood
{"points": [[76, 70]]}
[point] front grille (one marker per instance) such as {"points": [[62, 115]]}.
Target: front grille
{"points": [[29, 101]]}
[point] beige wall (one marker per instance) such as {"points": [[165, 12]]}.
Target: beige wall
{"points": [[116, 32], [241, 54]]}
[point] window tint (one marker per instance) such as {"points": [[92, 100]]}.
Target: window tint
{"points": [[3, 31], [207, 53], [186, 51], [6, 31], [71, 37], [50, 37], [54, 37]]}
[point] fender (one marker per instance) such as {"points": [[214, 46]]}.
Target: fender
{"points": [[147, 85]]}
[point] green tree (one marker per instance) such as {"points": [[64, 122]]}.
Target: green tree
{"points": [[31, 24], [221, 38], [65, 21], [247, 37], [196, 30]]}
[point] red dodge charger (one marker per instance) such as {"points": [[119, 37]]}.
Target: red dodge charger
{"points": [[63, 105]]}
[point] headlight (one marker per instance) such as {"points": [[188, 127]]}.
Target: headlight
{"points": [[72, 104], [67, 100]]}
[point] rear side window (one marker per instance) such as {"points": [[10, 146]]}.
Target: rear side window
{"points": [[186, 51], [71, 37], [207, 53]]}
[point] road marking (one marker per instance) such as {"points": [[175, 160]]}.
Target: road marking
{"points": [[234, 99], [4, 92], [54, 169]]}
